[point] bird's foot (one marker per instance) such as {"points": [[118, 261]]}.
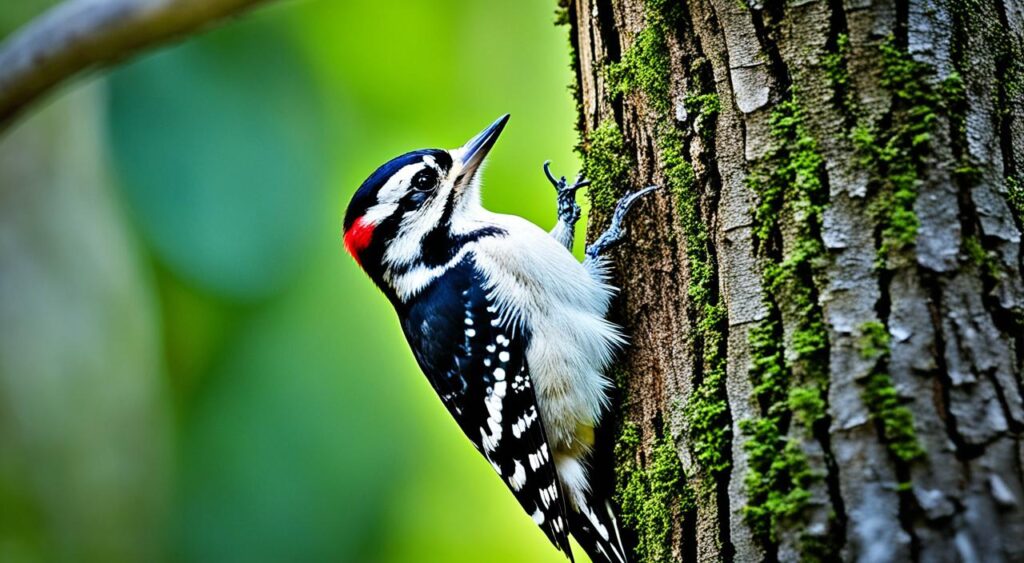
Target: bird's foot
{"points": [[568, 209], [613, 235]]}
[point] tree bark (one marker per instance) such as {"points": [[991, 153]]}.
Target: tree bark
{"points": [[825, 300]]}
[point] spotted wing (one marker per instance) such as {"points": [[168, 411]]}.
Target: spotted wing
{"points": [[477, 364]]}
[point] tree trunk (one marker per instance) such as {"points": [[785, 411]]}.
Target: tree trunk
{"points": [[825, 299]]}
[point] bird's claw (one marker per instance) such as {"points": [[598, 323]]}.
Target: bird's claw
{"points": [[568, 209], [614, 233]]}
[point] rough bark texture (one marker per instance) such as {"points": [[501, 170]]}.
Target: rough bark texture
{"points": [[826, 300]]}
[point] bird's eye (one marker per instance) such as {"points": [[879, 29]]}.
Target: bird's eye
{"points": [[424, 180]]}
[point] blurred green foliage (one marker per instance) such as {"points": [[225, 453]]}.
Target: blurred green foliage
{"points": [[221, 154], [301, 428]]}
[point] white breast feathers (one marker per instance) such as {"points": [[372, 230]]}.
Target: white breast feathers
{"points": [[541, 287]]}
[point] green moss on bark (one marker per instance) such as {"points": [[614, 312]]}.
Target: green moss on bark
{"points": [[704, 108], [656, 495], [807, 403], [653, 497], [899, 154], [789, 384], [882, 400], [1015, 195], [562, 13], [606, 164], [874, 340], [706, 411], [789, 179], [780, 491], [835, 63], [897, 421], [985, 260], [778, 476], [789, 184], [646, 66]]}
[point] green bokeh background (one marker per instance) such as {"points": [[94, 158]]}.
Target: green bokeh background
{"points": [[191, 369]]}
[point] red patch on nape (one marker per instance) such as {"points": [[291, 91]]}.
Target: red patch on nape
{"points": [[358, 237]]}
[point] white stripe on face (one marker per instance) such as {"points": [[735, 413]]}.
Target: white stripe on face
{"points": [[408, 242], [398, 184], [406, 247], [396, 187], [390, 193]]}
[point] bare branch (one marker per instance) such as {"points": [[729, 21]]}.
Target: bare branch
{"points": [[79, 35]]}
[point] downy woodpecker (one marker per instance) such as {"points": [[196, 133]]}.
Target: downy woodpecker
{"points": [[507, 325]]}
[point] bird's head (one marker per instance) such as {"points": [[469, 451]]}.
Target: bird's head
{"points": [[402, 216]]}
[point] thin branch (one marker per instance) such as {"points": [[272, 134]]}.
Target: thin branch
{"points": [[80, 35]]}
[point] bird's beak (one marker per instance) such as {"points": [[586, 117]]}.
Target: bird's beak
{"points": [[473, 152]]}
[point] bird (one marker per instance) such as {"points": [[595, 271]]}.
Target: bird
{"points": [[510, 329]]}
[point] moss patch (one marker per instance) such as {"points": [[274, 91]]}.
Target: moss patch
{"points": [[880, 397], [807, 403], [562, 13], [653, 497], [781, 491], [985, 260], [706, 412], [874, 340], [790, 184], [657, 495], [899, 154], [705, 108], [779, 476], [1015, 196], [646, 65], [790, 177], [897, 421], [835, 63], [606, 164], [790, 385]]}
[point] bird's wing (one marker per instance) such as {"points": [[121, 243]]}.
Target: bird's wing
{"points": [[477, 365]]}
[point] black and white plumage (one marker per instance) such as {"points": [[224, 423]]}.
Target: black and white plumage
{"points": [[476, 363], [509, 328]]}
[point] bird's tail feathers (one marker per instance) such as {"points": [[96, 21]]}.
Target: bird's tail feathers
{"points": [[597, 530]]}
